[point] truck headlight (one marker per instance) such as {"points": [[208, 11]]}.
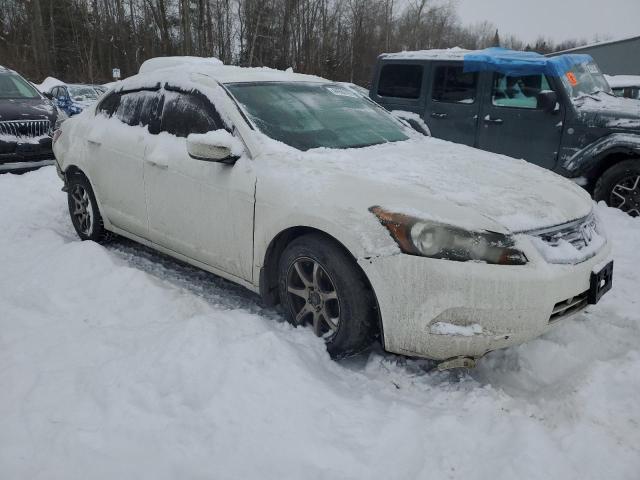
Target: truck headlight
{"points": [[432, 239]]}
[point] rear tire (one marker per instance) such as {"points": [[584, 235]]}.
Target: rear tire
{"points": [[83, 210], [619, 187], [320, 285]]}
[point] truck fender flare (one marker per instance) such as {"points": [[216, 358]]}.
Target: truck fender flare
{"points": [[589, 158]]}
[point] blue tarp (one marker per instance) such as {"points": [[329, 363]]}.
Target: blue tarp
{"points": [[513, 63]]}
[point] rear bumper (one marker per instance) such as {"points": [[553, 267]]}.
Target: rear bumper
{"points": [[441, 309]]}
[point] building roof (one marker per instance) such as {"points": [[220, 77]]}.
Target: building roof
{"points": [[599, 44]]}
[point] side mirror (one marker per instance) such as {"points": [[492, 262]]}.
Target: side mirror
{"points": [[547, 100], [216, 146]]}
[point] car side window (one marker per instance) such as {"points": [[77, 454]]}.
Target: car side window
{"points": [[400, 81], [138, 108], [109, 104], [518, 91], [452, 84], [185, 113]]}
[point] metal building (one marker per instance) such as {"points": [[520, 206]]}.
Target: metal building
{"points": [[617, 57]]}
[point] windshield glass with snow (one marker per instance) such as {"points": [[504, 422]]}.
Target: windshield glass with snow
{"points": [[13, 86], [82, 93], [585, 79], [312, 115]]}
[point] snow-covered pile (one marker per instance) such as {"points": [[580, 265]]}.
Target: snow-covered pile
{"points": [[48, 83], [118, 363], [160, 63]]}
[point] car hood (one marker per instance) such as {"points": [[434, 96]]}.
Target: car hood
{"points": [[27, 109], [432, 179], [606, 111]]}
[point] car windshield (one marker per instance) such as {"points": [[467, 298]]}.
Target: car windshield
{"points": [[585, 79], [14, 86], [81, 93], [311, 115]]}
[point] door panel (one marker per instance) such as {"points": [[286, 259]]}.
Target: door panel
{"points": [[452, 106], [201, 209], [116, 151], [115, 156], [512, 124]]}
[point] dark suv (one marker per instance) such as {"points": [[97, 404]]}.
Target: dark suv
{"points": [[557, 112], [27, 121]]}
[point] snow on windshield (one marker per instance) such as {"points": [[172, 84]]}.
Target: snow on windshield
{"points": [[313, 115], [82, 93]]}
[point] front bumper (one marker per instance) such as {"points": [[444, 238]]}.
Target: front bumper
{"points": [[441, 309], [19, 155]]}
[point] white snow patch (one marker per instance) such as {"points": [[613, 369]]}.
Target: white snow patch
{"points": [[48, 83], [160, 63], [220, 138], [443, 328], [116, 362]]}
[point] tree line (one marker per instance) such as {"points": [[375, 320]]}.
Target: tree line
{"points": [[83, 40]]}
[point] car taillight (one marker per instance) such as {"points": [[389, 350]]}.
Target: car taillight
{"points": [[56, 135]]}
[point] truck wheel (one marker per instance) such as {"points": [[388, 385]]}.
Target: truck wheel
{"points": [[619, 187], [83, 210], [321, 286]]}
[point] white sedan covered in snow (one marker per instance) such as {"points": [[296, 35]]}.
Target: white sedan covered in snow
{"points": [[318, 199]]}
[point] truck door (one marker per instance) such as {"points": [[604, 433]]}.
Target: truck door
{"points": [[513, 124], [452, 105]]}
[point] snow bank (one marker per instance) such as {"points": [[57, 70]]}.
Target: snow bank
{"points": [[119, 363], [48, 83]]}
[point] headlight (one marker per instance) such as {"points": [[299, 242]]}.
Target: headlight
{"points": [[437, 240]]}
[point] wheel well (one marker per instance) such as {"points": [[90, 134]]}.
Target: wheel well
{"points": [[606, 163], [269, 271]]}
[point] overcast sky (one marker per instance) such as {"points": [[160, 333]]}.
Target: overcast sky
{"points": [[557, 19]]}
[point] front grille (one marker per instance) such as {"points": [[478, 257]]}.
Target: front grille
{"points": [[579, 233], [25, 128], [583, 235], [568, 306]]}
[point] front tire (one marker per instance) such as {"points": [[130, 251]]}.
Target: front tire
{"points": [[320, 285], [619, 187], [84, 211]]}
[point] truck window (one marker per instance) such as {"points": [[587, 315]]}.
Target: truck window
{"points": [[518, 92], [452, 84], [400, 80]]}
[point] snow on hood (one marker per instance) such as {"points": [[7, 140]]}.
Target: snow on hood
{"points": [[621, 81], [609, 111], [439, 180]]}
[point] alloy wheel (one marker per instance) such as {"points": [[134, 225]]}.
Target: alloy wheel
{"points": [[313, 298], [625, 195], [82, 209]]}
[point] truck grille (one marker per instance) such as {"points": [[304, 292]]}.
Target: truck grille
{"points": [[25, 128]]}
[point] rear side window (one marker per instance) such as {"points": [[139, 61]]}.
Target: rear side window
{"points": [[400, 80], [518, 92], [452, 84], [185, 113], [140, 108], [109, 105]]}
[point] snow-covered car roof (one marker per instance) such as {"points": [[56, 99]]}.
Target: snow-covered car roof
{"points": [[509, 62], [622, 81], [189, 75]]}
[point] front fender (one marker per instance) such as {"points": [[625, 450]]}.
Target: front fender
{"points": [[588, 158]]}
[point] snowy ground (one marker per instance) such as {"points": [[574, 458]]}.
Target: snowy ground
{"points": [[118, 363]]}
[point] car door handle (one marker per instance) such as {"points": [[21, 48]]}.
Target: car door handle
{"points": [[439, 115], [495, 121], [91, 141], [161, 166]]}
